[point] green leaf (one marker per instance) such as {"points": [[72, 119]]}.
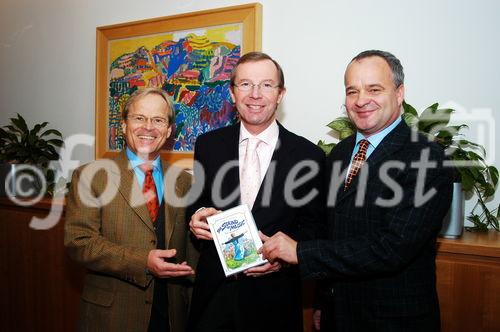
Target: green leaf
{"points": [[467, 179], [445, 142], [491, 219], [13, 129], [433, 119], [326, 147], [474, 156], [408, 109], [411, 120], [493, 171], [51, 131], [474, 218], [488, 191], [477, 175], [20, 123], [341, 123], [465, 144], [50, 175], [55, 142], [478, 224], [459, 127], [3, 134], [37, 128], [445, 133], [345, 133], [449, 131]]}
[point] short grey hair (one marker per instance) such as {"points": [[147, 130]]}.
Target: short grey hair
{"points": [[398, 75]]}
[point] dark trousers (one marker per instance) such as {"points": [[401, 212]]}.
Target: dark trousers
{"points": [[242, 306], [159, 311], [348, 318], [221, 314]]}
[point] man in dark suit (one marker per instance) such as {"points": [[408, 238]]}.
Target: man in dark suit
{"points": [[388, 196], [285, 196], [134, 242]]}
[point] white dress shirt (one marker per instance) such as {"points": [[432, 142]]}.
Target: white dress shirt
{"points": [[269, 138]]}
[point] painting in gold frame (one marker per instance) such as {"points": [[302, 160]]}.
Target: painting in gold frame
{"points": [[188, 55]]}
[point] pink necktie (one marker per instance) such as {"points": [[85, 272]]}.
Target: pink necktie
{"points": [[149, 191], [250, 173], [357, 162]]}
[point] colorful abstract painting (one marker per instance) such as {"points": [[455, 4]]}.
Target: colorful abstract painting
{"points": [[193, 66]]}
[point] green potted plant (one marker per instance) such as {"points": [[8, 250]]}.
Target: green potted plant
{"points": [[36, 146], [476, 178]]}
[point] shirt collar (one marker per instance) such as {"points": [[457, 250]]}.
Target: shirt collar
{"points": [[269, 134], [135, 161], [375, 139]]}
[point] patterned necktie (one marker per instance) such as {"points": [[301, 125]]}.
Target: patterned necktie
{"points": [[149, 191], [250, 173], [357, 162]]}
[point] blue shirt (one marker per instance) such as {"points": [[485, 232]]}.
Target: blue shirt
{"points": [[374, 140], [135, 161]]}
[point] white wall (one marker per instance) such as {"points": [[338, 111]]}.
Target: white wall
{"points": [[449, 50]]}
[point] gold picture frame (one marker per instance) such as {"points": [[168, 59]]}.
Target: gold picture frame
{"points": [[247, 18]]}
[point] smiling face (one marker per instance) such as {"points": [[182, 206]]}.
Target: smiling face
{"points": [[257, 108], [372, 100], [146, 139]]}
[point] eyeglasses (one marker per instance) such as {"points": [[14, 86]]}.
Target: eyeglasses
{"points": [[142, 120], [265, 86]]}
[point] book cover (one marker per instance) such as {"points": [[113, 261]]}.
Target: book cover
{"points": [[236, 239]]}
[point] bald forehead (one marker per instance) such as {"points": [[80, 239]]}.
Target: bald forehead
{"points": [[370, 68]]}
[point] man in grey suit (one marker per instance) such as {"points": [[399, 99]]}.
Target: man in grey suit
{"points": [[389, 193]]}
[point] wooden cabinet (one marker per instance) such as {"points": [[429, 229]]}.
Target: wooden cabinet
{"points": [[41, 286], [468, 281]]}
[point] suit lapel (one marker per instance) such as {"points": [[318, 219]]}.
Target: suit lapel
{"points": [[392, 143], [281, 156], [233, 153], [130, 190], [345, 160], [170, 211]]}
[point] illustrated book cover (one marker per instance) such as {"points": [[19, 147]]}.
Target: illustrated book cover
{"points": [[236, 239]]}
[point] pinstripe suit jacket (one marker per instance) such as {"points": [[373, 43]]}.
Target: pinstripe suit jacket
{"points": [[380, 261], [112, 238]]}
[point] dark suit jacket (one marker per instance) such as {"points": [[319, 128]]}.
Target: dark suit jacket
{"points": [[274, 301], [381, 260], [113, 241]]}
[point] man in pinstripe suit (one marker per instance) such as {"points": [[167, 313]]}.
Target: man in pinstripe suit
{"points": [[378, 262], [137, 253]]}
